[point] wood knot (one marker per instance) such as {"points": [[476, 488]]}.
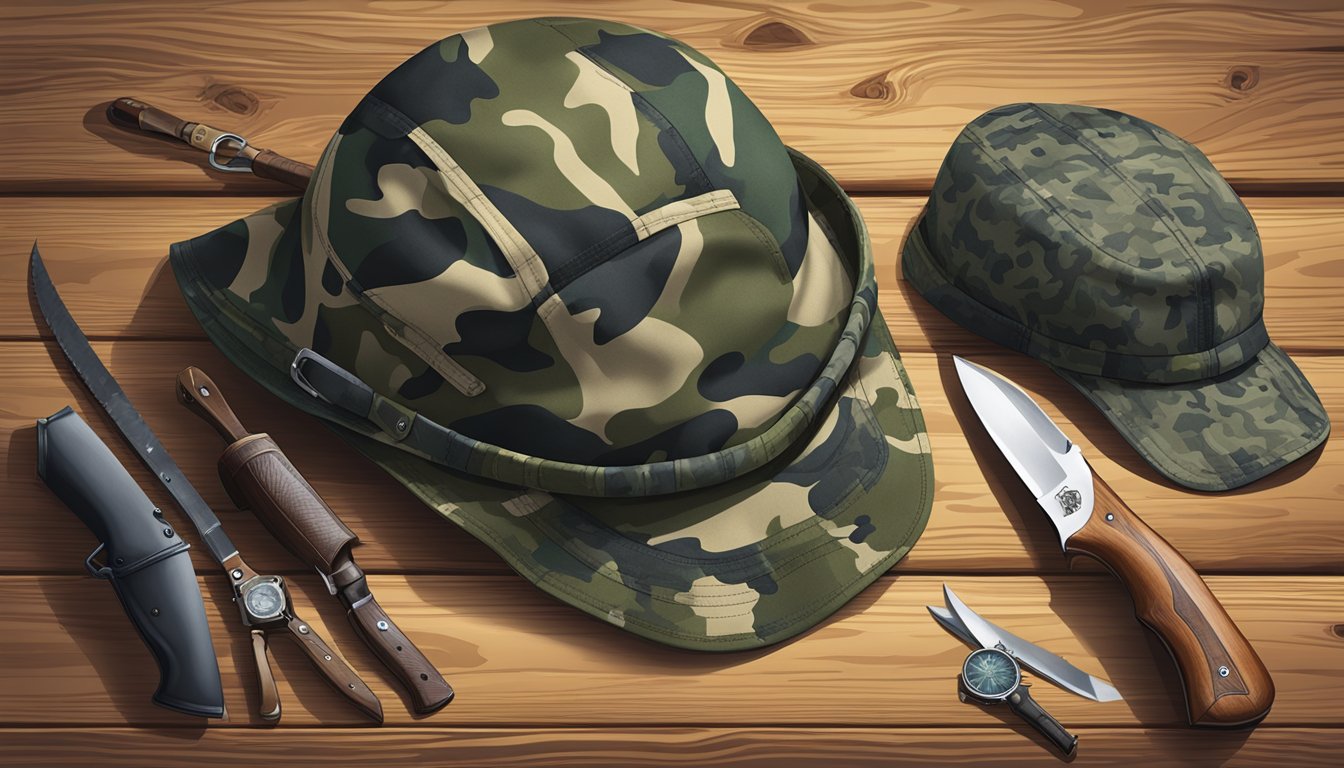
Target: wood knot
{"points": [[1338, 631], [232, 98], [776, 35], [876, 88], [1242, 78]]}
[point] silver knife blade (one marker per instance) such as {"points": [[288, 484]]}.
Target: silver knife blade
{"points": [[118, 407], [1050, 465], [958, 619]]}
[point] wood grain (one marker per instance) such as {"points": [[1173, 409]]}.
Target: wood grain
{"points": [[983, 519], [517, 657], [107, 257], [875, 91], [453, 747]]}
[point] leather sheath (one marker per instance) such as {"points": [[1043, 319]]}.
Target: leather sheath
{"points": [[258, 476]]}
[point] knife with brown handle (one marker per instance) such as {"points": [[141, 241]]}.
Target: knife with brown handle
{"points": [[259, 477], [1226, 684]]}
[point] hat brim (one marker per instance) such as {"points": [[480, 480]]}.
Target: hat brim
{"points": [[737, 565], [1219, 433]]}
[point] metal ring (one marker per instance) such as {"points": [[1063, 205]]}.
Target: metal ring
{"points": [[244, 167]]}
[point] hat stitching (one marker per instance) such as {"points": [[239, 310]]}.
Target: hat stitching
{"points": [[1204, 317], [936, 283]]}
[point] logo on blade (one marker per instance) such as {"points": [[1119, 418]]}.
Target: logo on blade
{"points": [[1070, 500]]}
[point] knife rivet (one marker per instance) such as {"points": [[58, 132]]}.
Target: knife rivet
{"points": [[328, 658], [382, 626], [401, 424], [164, 476], [352, 686], [303, 629], [168, 533], [237, 574], [1224, 671], [1109, 517], [204, 392], [153, 611]]}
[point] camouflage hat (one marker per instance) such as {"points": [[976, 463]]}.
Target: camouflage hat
{"points": [[562, 279], [1112, 250]]}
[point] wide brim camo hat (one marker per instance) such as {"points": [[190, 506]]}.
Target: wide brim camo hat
{"points": [[561, 279], [1113, 250]]}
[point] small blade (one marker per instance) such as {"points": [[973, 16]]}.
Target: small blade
{"points": [[986, 634], [1050, 465], [964, 623], [951, 623]]}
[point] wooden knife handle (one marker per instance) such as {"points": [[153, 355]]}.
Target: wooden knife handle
{"points": [[333, 670], [1226, 684], [429, 691], [201, 396]]}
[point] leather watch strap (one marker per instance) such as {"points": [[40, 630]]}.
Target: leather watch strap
{"points": [[270, 694]]}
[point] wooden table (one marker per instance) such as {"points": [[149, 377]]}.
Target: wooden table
{"points": [[873, 91]]}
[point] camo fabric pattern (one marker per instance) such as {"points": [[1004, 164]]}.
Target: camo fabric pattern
{"points": [[1113, 250], [578, 245]]}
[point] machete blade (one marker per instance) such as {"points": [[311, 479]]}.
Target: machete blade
{"points": [[114, 401]]}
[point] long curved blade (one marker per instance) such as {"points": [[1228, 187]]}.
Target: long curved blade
{"points": [[1050, 465], [110, 395], [970, 627]]}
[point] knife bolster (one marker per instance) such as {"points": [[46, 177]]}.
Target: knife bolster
{"points": [[258, 476]]}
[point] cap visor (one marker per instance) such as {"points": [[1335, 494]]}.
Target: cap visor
{"points": [[1218, 433]]}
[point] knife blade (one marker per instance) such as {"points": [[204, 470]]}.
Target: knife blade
{"points": [[1224, 681], [974, 629], [112, 397]]}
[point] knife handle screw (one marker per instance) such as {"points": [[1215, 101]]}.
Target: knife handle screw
{"points": [[382, 626], [1110, 517], [237, 574], [1224, 671]]}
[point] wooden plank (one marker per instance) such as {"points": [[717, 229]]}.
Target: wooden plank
{"points": [[609, 747], [875, 91], [983, 519], [107, 257], [517, 657]]}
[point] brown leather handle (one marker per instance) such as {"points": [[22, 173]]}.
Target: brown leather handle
{"points": [[201, 396], [1226, 684], [135, 114], [429, 691], [270, 694], [333, 670], [269, 165]]}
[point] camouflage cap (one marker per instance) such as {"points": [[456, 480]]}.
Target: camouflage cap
{"points": [[586, 305], [1114, 251]]}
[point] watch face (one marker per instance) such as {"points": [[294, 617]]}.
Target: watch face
{"points": [[264, 601], [991, 673]]}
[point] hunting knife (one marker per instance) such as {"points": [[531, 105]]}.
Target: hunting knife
{"points": [[1225, 682]]}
